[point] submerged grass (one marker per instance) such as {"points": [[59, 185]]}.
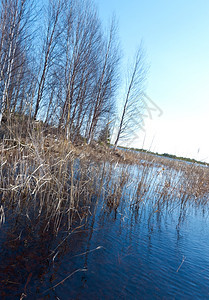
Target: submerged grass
{"points": [[48, 179], [50, 189]]}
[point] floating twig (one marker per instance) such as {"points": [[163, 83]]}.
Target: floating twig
{"points": [[62, 281], [184, 257]]}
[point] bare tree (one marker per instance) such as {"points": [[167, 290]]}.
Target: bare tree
{"points": [[14, 20], [130, 117], [53, 33], [106, 81], [73, 82], [82, 49]]}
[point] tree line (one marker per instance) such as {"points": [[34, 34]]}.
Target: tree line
{"points": [[58, 65]]}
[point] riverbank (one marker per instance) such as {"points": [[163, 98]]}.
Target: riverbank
{"points": [[51, 189]]}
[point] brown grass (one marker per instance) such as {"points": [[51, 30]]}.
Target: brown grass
{"points": [[48, 179]]}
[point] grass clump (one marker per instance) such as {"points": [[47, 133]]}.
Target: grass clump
{"points": [[45, 178], [51, 189]]}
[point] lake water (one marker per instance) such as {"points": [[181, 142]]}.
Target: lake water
{"points": [[152, 252]]}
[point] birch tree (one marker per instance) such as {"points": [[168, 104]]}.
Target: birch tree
{"points": [[15, 16], [102, 98], [83, 42], [130, 118], [53, 32]]}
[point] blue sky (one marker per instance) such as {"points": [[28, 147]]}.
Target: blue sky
{"points": [[176, 39]]}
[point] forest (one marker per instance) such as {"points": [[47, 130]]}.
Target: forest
{"points": [[60, 67]]}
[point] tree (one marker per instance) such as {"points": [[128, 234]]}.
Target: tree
{"points": [[15, 19], [130, 119], [55, 8], [88, 70], [64, 71], [103, 94], [104, 135], [82, 39]]}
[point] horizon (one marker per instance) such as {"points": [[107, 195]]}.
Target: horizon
{"points": [[175, 37]]}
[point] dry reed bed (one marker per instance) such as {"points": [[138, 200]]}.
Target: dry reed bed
{"points": [[49, 180]]}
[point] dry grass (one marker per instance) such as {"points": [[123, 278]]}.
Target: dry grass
{"points": [[51, 190], [47, 179]]}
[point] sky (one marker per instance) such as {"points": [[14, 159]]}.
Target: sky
{"points": [[175, 36]]}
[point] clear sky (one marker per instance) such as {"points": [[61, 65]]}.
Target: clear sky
{"points": [[176, 39]]}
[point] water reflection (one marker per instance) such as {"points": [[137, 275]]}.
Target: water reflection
{"points": [[137, 232]]}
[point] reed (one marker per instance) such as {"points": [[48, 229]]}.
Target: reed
{"points": [[51, 190], [47, 179]]}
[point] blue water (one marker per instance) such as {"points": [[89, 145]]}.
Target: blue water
{"points": [[137, 261], [123, 253]]}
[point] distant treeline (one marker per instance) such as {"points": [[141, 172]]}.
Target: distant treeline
{"points": [[167, 155]]}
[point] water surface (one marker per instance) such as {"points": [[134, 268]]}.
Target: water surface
{"points": [[157, 249]]}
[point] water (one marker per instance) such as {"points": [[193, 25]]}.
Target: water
{"points": [[153, 252], [139, 261]]}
